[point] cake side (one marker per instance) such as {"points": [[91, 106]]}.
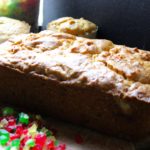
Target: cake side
{"points": [[91, 82], [87, 106]]}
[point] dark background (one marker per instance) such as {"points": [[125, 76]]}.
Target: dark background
{"points": [[122, 21]]}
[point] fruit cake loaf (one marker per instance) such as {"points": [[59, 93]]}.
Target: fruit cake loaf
{"points": [[94, 83]]}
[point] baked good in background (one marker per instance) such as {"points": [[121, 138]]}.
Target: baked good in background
{"points": [[78, 27], [25, 10], [95, 83], [10, 27]]}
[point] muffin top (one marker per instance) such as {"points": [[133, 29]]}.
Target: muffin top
{"points": [[10, 27], [78, 27]]}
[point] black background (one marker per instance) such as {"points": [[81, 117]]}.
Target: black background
{"points": [[122, 21]]}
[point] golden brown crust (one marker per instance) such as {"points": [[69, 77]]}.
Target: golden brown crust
{"points": [[72, 60]]}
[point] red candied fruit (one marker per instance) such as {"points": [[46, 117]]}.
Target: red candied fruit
{"points": [[1, 118], [19, 129], [78, 139], [24, 140], [14, 136], [10, 117], [50, 144], [12, 122], [61, 147], [30, 125], [21, 147], [40, 139], [37, 147], [25, 131], [10, 128]]}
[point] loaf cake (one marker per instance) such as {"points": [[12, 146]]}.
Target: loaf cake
{"points": [[10, 27], [93, 83], [79, 27]]}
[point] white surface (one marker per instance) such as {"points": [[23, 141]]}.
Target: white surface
{"points": [[92, 140]]}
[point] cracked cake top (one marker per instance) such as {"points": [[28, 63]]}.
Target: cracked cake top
{"points": [[72, 60]]}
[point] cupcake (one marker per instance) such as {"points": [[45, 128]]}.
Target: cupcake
{"points": [[10, 27], [77, 27]]}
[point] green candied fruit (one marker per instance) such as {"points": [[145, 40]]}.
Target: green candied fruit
{"points": [[56, 143], [49, 133], [4, 132], [8, 148], [14, 148], [30, 143], [23, 118], [7, 111], [15, 143], [4, 139]]}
